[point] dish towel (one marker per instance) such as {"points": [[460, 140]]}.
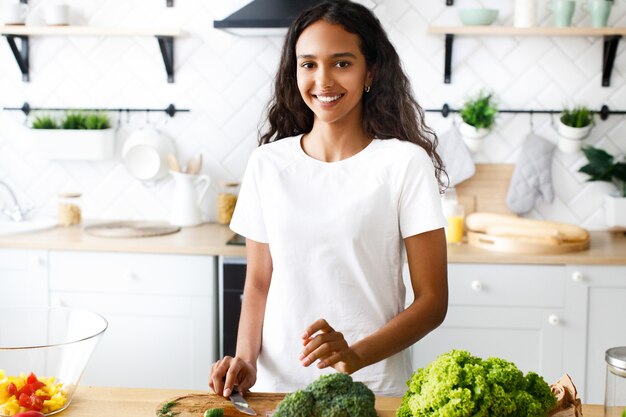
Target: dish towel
{"points": [[456, 157], [532, 176]]}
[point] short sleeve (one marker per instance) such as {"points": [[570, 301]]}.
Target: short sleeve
{"points": [[248, 219], [420, 202]]}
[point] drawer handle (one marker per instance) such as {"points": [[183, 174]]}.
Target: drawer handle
{"points": [[57, 302], [36, 261], [477, 285], [577, 276], [554, 320], [130, 276]]}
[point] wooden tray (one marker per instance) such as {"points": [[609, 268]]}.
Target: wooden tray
{"points": [[523, 245], [125, 229], [194, 405]]}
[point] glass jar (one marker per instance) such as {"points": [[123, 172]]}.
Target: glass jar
{"points": [[615, 390], [226, 201], [455, 214], [69, 209]]}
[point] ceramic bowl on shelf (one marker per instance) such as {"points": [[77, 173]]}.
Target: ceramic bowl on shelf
{"points": [[43, 353], [478, 17]]}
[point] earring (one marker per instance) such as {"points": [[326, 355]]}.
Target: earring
{"points": [[367, 88]]}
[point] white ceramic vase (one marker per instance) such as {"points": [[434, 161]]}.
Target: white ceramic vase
{"points": [[188, 198], [70, 144], [472, 137], [615, 211], [571, 139]]}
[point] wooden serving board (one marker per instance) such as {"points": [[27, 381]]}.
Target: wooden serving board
{"points": [[521, 245], [128, 229], [194, 405]]}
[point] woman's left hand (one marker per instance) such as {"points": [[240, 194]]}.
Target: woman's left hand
{"points": [[321, 342]]}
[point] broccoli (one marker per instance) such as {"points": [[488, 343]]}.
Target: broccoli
{"points": [[334, 395], [458, 384]]}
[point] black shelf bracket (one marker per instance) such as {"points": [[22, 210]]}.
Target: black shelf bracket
{"points": [[608, 57], [447, 74], [24, 1], [21, 55], [449, 2], [170, 3], [166, 44]]}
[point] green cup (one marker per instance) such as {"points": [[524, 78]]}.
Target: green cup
{"points": [[600, 11], [563, 12]]}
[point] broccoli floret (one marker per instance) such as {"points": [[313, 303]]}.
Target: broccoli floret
{"points": [[458, 384], [334, 395]]}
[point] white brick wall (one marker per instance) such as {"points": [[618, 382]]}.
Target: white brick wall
{"points": [[225, 81]]}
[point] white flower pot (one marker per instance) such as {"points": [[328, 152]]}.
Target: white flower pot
{"points": [[615, 211], [472, 137], [74, 144], [567, 145], [569, 132]]}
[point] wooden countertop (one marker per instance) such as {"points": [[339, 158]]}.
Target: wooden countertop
{"points": [[136, 402], [210, 239]]}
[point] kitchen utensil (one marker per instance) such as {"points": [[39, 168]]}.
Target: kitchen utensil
{"points": [[193, 166], [50, 342], [173, 162], [527, 245], [187, 199], [194, 405], [145, 153], [128, 229], [240, 403]]}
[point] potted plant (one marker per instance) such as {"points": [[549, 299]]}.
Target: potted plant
{"points": [[574, 127], [76, 135], [602, 166], [479, 115]]}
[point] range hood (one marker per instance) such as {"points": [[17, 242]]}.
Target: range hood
{"points": [[264, 17]]}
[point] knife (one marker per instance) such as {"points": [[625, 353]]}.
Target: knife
{"points": [[240, 403]]}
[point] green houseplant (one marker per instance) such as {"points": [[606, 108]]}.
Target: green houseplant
{"points": [[75, 135], [479, 115], [603, 166], [574, 126]]}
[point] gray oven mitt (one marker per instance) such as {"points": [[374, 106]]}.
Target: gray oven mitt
{"points": [[532, 176], [456, 157]]}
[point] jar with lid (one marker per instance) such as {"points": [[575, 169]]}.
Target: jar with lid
{"points": [[69, 209], [615, 390], [226, 201]]}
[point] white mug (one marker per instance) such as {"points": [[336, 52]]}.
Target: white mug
{"points": [[57, 14], [14, 13], [525, 13]]}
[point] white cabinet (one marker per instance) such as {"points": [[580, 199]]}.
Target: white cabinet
{"points": [[597, 301], [161, 311], [516, 312], [23, 278]]}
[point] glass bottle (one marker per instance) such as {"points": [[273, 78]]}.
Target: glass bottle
{"points": [[455, 214], [615, 390], [226, 201], [69, 212]]}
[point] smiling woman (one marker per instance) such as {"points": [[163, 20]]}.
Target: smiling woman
{"points": [[349, 169]]}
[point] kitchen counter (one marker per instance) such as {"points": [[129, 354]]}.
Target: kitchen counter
{"points": [[134, 402], [210, 239]]}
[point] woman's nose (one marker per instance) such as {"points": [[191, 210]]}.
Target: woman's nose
{"points": [[323, 78]]}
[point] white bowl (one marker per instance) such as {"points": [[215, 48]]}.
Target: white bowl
{"points": [[478, 17], [145, 154]]}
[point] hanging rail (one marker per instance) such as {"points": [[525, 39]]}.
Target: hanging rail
{"points": [[171, 110], [604, 112]]}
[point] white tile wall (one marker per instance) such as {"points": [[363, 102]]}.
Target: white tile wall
{"points": [[225, 81]]}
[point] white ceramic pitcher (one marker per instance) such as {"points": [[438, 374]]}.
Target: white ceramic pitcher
{"points": [[187, 198]]}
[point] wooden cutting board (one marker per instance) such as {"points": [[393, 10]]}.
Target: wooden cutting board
{"points": [[527, 246], [194, 405]]}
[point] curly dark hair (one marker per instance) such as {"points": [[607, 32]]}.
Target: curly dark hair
{"points": [[389, 109]]}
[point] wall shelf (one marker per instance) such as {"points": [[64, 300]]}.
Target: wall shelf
{"points": [[164, 36], [611, 36]]}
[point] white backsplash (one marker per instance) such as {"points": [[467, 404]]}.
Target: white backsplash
{"points": [[225, 81]]}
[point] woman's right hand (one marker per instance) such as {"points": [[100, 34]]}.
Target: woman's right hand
{"points": [[228, 372]]}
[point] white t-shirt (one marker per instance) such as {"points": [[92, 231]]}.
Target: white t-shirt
{"points": [[335, 232]]}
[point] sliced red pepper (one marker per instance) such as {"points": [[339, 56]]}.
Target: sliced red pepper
{"points": [[12, 389], [31, 378], [37, 403], [25, 401]]}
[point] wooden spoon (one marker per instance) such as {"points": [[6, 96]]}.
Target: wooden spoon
{"points": [[194, 165], [173, 162]]}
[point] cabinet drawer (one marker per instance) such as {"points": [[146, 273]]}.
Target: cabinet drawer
{"points": [[132, 273], [507, 285]]}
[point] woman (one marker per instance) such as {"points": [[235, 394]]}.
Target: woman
{"points": [[346, 180]]}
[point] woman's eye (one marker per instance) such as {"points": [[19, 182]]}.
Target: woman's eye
{"points": [[307, 65], [343, 64]]}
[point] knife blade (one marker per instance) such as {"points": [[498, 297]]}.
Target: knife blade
{"points": [[240, 403]]}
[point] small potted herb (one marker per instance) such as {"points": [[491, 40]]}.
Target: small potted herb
{"points": [[603, 166], [574, 127], [479, 116], [76, 135]]}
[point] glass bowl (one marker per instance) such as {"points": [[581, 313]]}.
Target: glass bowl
{"points": [[53, 343]]}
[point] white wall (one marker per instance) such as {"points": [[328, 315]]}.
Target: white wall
{"points": [[225, 81]]}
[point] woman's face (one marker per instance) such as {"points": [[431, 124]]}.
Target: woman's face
{"points": [[331, 72]]}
